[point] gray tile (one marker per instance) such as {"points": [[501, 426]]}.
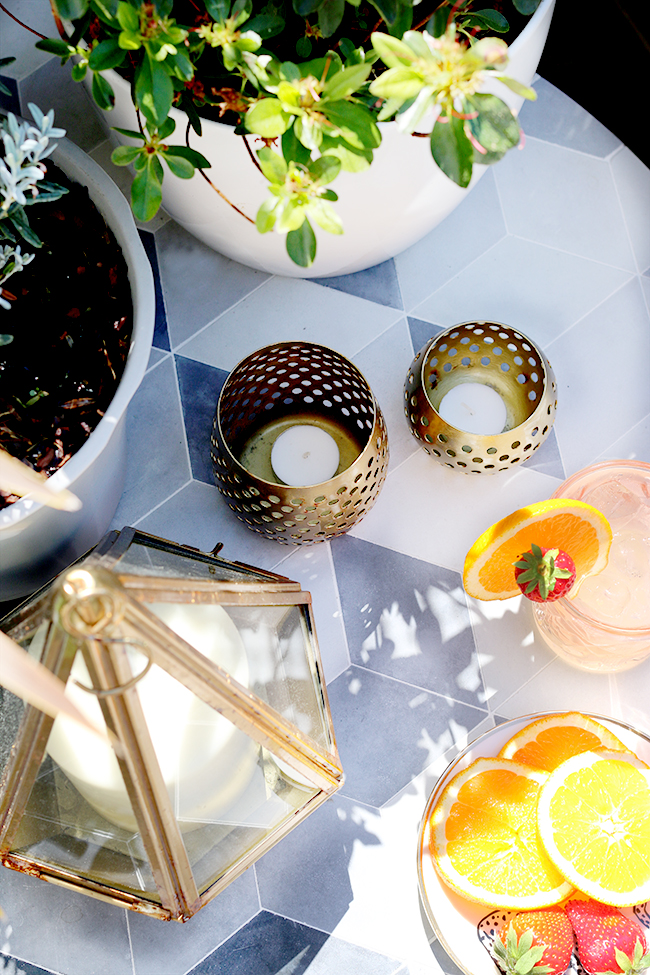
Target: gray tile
{"points": [[157, 459], [51, 86], [306, 877], [200, 386], [64, 931], [217, 283], [407, 619], [379, 283], [466, 233], [16, 41], [556, 118], [564, 199], [173, 949], [403, 729]]}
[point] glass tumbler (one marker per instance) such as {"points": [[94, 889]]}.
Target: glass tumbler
{"points": [[606, 626]]}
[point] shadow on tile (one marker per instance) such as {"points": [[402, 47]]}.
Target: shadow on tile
{"points": [[273, 945], [200, 386], [379, 284]]}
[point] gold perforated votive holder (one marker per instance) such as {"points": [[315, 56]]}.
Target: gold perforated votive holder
{"points": [[497, 356], [266, 393]]}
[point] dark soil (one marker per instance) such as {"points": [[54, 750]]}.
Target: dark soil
{"points": [[71, 322]]}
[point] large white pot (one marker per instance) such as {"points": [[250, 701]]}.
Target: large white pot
{"points": [[384, 210], [37, 542]]}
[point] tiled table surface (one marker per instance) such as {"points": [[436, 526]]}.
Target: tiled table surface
{"points": [[554, 241]]}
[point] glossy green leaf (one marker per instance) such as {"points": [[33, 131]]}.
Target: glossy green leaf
{"points": [[54, 46], [131, 133], [125, 155], [290, 216], [398, 83], [325, 168], [388, 9], [293, 149], [495, 127], [266, 25], [102, 92], [305, 7], [180, 65], [452, 150], [146, 191], [352, 160], [402, 21], [265, 217], [325, 216], [71, 9], [526, 7], [437, 23], [301, 245], [153, 91], [217, 9], [330, 15], [178, 165], [106, 10], [355, 122], [197, 159], [393, 52], [487, 20], [347, 81], [518, 88], [79, 71], [272, 165], [267, 118], [127, 17], [107, 54]]}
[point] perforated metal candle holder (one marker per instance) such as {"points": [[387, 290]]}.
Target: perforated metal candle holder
{"points": [[497, 356], [268, 392]]}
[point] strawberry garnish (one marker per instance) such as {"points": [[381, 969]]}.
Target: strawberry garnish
{"points": [[608, 942], [545, 574], [537, 943]]}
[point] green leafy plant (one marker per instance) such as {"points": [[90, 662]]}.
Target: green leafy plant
{"points": [[311, 78]]}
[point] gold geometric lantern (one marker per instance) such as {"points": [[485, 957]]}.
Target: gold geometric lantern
{"points": [[206, 676]]}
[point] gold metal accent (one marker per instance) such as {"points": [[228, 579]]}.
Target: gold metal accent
{"points": [[269, 391], [500, 357]]}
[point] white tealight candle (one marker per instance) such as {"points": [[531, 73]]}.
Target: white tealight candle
{"points": [[304, 455], [474, 408]]}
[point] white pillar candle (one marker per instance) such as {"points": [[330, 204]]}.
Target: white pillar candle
{"points": [[474, 408], [304, 455], [205, 761]]}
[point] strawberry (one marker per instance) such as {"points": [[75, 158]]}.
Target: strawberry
{"points": [[608, 942], [545, 574], [537, 943]]}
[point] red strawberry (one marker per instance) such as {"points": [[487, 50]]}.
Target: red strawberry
{"points": [[608, 942], [545, 574], [537, 943]]}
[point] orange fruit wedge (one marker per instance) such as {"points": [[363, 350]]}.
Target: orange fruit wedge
{"points": [[483, 837], [549, 741], [579, 529], [594, 823]]}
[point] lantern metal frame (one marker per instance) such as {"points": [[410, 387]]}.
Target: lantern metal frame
{"points": [[82, 606]]}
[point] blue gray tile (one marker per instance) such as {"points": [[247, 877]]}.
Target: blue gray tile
{"points": [[407, 619], [200, 386], [272, 945], [161, 334], [388, 731], [11, 965], [199, 284], [379, 283], [556, 118]]}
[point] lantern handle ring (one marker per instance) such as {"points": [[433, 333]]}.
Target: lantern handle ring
{"points": [[119, 688]]}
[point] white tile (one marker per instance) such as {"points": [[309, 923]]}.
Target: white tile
{"points": [[602, 376], [288, 310], [535, 288], [385, 363], [556, 118], [632, 180], [430, 512], [464, 235], [565, 199]]}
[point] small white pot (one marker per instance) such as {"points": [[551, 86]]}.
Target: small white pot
{"points": [[37, 542], [384, 210]]}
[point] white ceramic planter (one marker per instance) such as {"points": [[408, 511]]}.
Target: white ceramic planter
{"points": [[384, 210], [37, 542]]}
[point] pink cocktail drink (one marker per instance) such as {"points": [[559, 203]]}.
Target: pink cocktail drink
{"points": [[606, 626]]}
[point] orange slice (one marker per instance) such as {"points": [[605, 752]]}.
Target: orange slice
{"points": [[549, 741], [483, 837], [594, 823], [579, 529]]}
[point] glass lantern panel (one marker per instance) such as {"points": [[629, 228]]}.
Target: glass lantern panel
{"points": [[281, 658]]}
